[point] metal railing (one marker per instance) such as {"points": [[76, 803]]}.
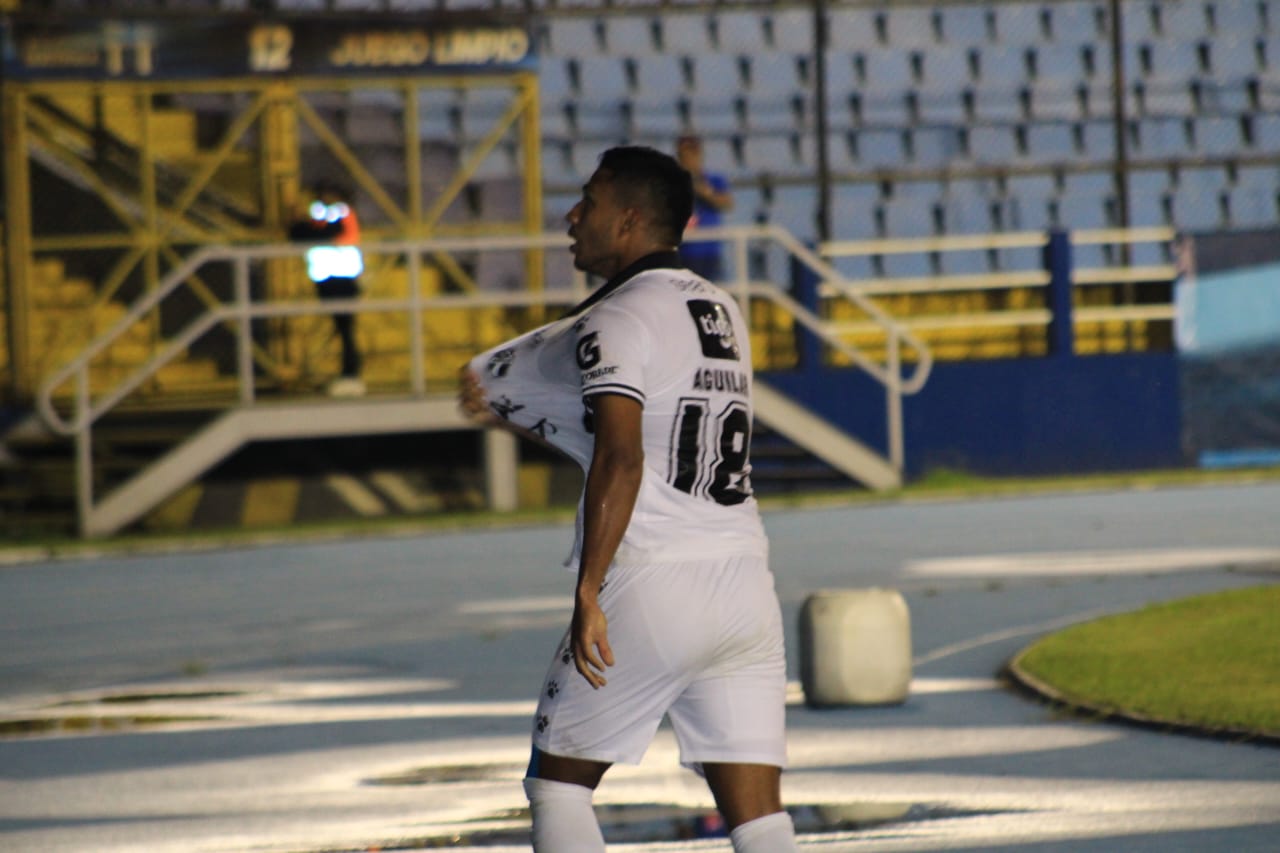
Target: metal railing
{"points": [[240, 313], [1026, 277]]}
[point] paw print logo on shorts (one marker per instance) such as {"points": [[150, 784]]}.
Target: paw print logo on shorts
{"points": [[552, 690], [543, 722], [566, 656]]}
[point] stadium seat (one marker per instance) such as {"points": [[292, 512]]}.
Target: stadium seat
{"points": [[1266, 178], [554, 85], [1138, 22], [1238, 19], [1018, 24], [1079, 23], [1077, 212], [934, 147], [945, 76], [1164, 97], [792, 30], [992, 144], [557, 164], [568, 37], [1252, 207], [716, 75], [1186, 20], [853, 207], [1000, 102], [601, 79], [782, 156], [657, 115], [912, 26], [852, 28], [629, 36], [964, 25], [739, 32], [686, 35], [1058, 100], [879, 148], [658, 74], [794, 208], [437, 114], [1233, 59], [1057, 61], [775, 74], [1216, 136], [1049, 143], [1192, 211]]}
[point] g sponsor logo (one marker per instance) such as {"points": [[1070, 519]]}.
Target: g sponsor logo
{"points": [[588, 352]]}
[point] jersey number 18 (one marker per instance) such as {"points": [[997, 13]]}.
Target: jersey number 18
{"points": [[709, 459]]}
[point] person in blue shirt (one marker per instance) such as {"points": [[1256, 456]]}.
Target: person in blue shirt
{"points": [[712, 198]]}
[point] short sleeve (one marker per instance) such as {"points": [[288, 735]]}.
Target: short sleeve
{"points": [[612, 348]]}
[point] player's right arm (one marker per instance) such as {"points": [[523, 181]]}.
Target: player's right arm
{"points": [[613, 481]]}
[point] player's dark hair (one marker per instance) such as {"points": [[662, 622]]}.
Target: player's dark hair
{"points": [[652, 180]]}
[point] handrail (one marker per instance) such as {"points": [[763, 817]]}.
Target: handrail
{"points": [[240, 311]]}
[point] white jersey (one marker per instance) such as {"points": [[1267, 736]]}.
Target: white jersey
{"points": [[678, 345]]}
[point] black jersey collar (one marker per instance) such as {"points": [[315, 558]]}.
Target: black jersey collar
{"points": [[655, 261]]}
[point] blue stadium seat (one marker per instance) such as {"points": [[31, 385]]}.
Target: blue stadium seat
{"points": [[1028, 210], [437, 114], [1266, 132], [1252, 207], [853, 208], [879, 148], [686, 34], [629, 36], [1079, 23], [1138, 21], [963, 262], [1233, 59], [1018, 24], [738, 31], [1146, 208], [1058, 61], [852, 28], [840, 152], [557, 164], [1097, 141], [1217, 136], [934, 147], [994, 102], [655, 116], [993, 144], [601, 79], [783, 156], [1266, 178], [944, 79], [554, 85], [1058, 100], [1185, 20], [964, 25], [885, 88], [658, 75], [1078, 212], [1165, 97], [1238, 19], [574, 37], [911, 26], [792, 30], [776, 74], [1050, 143], [716, 75], [1195, 212], [794, 208]]}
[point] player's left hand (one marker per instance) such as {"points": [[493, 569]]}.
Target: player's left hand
{"points": [[472, 400], [590, 638]]}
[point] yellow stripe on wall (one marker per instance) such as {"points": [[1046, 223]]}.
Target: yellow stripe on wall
{"points": [[270, 502]]}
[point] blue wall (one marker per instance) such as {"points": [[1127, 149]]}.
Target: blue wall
{"points": [[1015, 417]]}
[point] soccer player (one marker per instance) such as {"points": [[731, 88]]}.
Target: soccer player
{"points": [[647, 385]]}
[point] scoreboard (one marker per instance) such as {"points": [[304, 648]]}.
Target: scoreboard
{"points": [[191, 48]]}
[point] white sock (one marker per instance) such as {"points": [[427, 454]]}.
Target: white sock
{"points": [[563, 821], [772, 833]]}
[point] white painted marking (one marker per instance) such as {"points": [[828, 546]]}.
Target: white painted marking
{"points": [[1007, 634], [533, 604], [1091, 562]]}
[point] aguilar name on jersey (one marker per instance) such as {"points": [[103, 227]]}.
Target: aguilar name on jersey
{"points": [[677, 344]]}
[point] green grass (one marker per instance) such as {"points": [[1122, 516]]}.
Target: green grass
{"points": [[1212, 661]]}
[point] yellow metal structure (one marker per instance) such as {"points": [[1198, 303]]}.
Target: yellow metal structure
{"points": [[132, 176]]}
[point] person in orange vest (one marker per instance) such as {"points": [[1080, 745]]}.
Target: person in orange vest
{"points": [[335, 264]]}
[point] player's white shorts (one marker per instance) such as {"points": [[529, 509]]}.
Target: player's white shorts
{"points": [[699, 641]]}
